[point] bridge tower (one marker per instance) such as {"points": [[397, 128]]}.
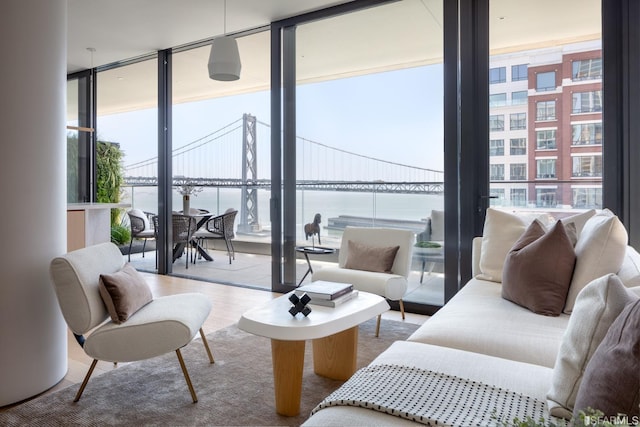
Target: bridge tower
{"points": [[249, 210]]}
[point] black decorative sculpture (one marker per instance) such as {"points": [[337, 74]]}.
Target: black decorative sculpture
{"points": [[299, 305], [313, 228]]}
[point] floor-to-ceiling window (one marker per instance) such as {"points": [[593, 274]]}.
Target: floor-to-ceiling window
{"points": [[548, 57], [80, 137], [221, 151], [126, 98], [368, 137]]}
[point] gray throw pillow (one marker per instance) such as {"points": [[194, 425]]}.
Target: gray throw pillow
{"points": [[611, 381], [370, 258], [538, 269], [124, 292]]}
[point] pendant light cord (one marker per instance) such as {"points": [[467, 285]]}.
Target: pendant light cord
{"points": [[225, 17]]}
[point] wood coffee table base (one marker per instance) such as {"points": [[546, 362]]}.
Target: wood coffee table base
{"points": [[333, 357]]}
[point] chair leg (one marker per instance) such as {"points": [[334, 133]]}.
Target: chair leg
{"points": [[228, 249], [378, 325], [130, 244], [186, 376], [144, 245], [401, 308], [86, 380], [206, 346]]}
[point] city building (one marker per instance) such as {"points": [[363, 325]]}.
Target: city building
{"points": [[545, 128]]}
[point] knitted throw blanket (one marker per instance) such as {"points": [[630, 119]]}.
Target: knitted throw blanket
{"points": [[432, 398]]}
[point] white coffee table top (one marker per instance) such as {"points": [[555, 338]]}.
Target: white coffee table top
{"points": [[273, 320]]}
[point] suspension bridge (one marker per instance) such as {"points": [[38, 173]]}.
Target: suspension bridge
{"points": [[230, 157]]}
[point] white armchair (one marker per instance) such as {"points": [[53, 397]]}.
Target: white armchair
{"points": [[165, 324], [391, 285]]}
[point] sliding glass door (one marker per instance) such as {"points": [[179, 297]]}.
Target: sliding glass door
{"points": [[364, 138]]}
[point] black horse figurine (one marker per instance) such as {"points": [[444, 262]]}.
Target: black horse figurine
{"points": [[313, 228]]}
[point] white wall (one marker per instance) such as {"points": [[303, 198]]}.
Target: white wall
{"points": [[33, 337]]}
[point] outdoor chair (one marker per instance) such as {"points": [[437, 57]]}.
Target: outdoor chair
{"points": [[221, 227], [140, 228], [150, 326], [184, 228]]}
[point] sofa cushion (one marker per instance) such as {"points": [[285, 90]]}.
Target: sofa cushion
{"points": [[579, 219], [611, 381], [629, 271], [370, 258], [597, 306], [501, 231], [538, 269], [600, 250], [524, 378], [478, 319], [124, 292]]}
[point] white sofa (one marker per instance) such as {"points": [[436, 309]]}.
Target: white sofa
{"points": [[481, 337]]}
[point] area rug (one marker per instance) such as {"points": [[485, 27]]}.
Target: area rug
{"points": [[235, 391]]}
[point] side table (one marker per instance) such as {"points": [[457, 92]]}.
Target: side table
{"points": [[313, 250]]}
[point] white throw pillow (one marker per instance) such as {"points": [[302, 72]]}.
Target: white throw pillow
{"points": [[597, 306], [600, 250], [437, 225], [501, 231], [629, 271], [579, 219]]}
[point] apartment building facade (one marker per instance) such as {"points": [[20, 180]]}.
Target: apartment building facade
{"points": [[545, 127]]}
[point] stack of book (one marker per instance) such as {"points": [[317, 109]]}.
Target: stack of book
{"points": [[328, 294]]}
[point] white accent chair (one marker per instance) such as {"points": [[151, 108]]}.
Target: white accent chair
{"points": [[166, 324], [392, 285]]}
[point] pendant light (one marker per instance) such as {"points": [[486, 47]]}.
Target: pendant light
{"points": [[224, 59]]}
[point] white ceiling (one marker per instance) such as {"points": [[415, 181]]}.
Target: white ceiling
{"points": [[397, 35], [123, 29]]}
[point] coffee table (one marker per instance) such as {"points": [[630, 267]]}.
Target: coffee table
{"points": [[334, 334]]}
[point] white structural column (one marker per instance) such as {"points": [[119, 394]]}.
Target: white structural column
{"points": [[33, 337]]}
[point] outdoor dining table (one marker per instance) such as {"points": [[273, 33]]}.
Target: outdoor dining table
{"points": [[201, 220]]}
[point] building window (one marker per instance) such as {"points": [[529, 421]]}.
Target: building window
{"points": [[546, 140], [497, 100], [518, 197], [518, 172], [519, 97], [587, 102], [546, 168], [545, 110], [546, 81], [518, 121], [587, 166], [518, 72], [546, 197], [496, 172], [587, 69], [587, 198], [518, 146], [498, 75], [496, 122], [496, 147], [497, 196], [586, 134]]}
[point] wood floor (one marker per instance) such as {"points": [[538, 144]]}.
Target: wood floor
{"points": [[229, 302]]}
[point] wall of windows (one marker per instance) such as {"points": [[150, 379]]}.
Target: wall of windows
{"points": [[563, 86]]}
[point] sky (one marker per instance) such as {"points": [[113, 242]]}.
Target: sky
{"points": [[394, 115]]}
